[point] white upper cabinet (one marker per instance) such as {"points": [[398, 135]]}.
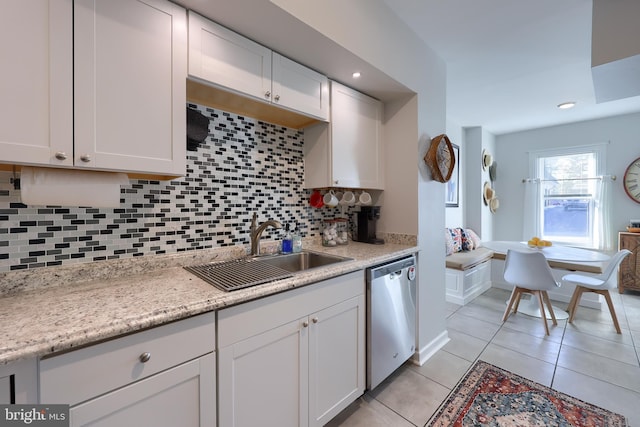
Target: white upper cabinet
{"points": [[97, 84], [347, 152], [36, 81], [299, 88], [130, 68], [226, 59]]}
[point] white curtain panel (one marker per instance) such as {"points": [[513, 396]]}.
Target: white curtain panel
{"points": [[603, 233], [531, 217]]}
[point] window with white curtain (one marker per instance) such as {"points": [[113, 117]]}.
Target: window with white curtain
{"points": [[566, 199]]}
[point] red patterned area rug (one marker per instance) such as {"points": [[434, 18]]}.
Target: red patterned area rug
{"points": [[490, 396]]}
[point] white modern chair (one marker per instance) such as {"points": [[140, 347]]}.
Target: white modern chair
{"points": [[529, 273], [599, 284]]}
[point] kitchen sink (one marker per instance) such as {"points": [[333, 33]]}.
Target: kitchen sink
{"points": [[246, 272], [301, 261]]}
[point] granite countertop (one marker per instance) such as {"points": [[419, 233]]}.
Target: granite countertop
{"points": [[44, 311]]}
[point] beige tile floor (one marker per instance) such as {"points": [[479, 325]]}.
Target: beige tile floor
{"points": [[585, 359]]}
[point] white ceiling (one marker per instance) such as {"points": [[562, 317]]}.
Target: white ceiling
{"points": [[511, 62]]}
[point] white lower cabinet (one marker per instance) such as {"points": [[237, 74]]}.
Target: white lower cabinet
{"points": [[262, 378], [163, 376], [335, 379], [181, 396], [293, 359], [19, 382]]}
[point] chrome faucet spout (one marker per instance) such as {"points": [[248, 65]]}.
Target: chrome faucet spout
{"points": [[256, 232]]}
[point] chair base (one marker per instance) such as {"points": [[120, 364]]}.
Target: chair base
{"points": [[575, 300], [543, 298]]}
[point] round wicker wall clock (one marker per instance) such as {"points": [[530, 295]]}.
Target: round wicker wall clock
{"points": [[441, 158], [631, 180]]}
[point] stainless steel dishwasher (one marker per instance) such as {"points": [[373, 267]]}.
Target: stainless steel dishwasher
{"points": [[391, 318]]}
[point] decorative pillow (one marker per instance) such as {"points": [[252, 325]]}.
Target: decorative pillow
{"points": [[448, 242], [456, 237], [477, 243], [467, 241]]}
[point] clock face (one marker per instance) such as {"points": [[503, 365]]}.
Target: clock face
{"points": [[440, 158], [443, 158], [632, 180]]}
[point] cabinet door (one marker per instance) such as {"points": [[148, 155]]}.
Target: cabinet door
{"points": [[629, 270], [355, 139], [36, 86], [300, 88], [6, 390], [181, 396], [19, 382], [220, 56], [263, 380], [130, 65], [336, 359]]}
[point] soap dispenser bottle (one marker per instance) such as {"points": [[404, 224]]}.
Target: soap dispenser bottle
{"points": [[287, 242], [296, 239]]}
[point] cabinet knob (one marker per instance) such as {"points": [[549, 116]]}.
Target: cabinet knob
{"points": [[277, 97], [61, 155], [314, 320], [335, 182], [145, 357], [267, 94], [85, 158], [305, 324]]}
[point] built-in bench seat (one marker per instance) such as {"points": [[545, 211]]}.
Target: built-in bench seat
{"points": [[467, 260], [468, 274]]}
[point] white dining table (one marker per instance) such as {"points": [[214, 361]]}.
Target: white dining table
{"points": [[552, 253]]}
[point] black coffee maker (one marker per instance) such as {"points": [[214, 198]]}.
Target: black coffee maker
{"points": [[366, 231]]}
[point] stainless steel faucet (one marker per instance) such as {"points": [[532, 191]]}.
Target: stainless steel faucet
{"points": [[256, 232]]}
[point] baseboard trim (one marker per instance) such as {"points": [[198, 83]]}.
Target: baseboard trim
{"points": [[425, 353]]}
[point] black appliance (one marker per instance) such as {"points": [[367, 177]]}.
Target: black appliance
{"points": [[366, 225], [197, 129]]}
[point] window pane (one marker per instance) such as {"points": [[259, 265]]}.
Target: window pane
{"points": [[567, 206]]}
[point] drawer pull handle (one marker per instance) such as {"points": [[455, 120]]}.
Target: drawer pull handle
{"points": [[145, 357], [61, 155]]}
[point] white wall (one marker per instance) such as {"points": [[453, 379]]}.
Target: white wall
{"points": [[477, 215], [623, 135], [455, 215], [472, 212]]}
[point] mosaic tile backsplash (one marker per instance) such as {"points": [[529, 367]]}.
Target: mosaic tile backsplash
{"points": [[244, 166]]}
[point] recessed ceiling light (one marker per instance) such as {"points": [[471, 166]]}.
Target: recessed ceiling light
{"points": [[356, 75], [567, 105]]}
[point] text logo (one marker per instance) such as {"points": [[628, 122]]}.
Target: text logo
{"points": [[34, 415]]}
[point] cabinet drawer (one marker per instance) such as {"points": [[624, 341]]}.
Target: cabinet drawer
{"points": [[82, 374]]}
